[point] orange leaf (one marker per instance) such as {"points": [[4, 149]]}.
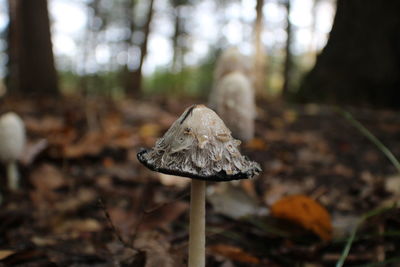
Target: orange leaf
{"points": [[306, 212], [5, 253], [256, 144], [233, 253]]}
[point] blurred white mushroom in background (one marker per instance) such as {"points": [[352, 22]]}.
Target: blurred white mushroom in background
{"points": [[12, 143], [232, 95], [236, 105], [229, 61]]}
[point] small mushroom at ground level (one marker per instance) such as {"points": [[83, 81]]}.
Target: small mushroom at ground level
{"points": [[12, 143], [236, 104], [198, 145]]}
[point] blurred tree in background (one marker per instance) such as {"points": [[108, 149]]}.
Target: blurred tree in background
{"points": [[135, 85], [30, 56], [287, 69], [119, 41], [259, 54], [361, 61]]}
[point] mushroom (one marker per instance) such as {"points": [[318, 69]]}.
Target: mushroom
{"points": [[232, 95], [12, 142], [198, 145], [229, 61], [236, 104]]}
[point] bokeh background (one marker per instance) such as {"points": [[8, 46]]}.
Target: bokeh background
{"points": [[94, 81], [169, 47]]}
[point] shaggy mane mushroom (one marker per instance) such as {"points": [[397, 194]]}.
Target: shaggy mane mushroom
{"points": [[198, 145]]}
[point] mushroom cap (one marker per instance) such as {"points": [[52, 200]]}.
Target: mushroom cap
{"points": [[232, 60], [12, 137], [198, 145]]}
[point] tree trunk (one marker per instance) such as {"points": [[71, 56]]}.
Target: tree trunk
{"points": [[288, 64], [361, 61], [89, 44], [126, 73], [31, 64], [259, 55], [175, 40], [137, 74]]}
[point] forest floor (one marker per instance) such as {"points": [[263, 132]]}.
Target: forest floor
{"points": [[85, 200]]}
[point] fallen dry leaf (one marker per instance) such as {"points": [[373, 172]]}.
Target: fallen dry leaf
{"points": [[77, 226], [392, 184], [306, 212], [156, 249], [83, 197], [5, 253], [46, 179], [91, 144], [249, 187], [43, 241], [340, 169], [31, 150], [124, 220], [231, 201], [61, 137], [124, 139], [111, 123], [233, 253], [43, 125], [256, 144], [163, 216], [22, 257]]}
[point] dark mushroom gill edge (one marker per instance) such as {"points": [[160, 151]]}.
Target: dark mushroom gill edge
{"points": [[221, 176]]}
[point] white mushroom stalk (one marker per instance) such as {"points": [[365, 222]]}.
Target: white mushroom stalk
{"points": [[197, 226], [13, 176], [12, 143], [198, 145]]}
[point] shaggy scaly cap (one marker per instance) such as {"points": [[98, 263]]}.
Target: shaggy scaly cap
{"points": [[199, 145]]}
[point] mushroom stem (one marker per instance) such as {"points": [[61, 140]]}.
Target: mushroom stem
{"points": [[12, 176], [197, 240]]}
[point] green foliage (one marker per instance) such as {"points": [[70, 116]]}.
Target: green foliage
{"points": [[100, 83], [195, 81]]}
